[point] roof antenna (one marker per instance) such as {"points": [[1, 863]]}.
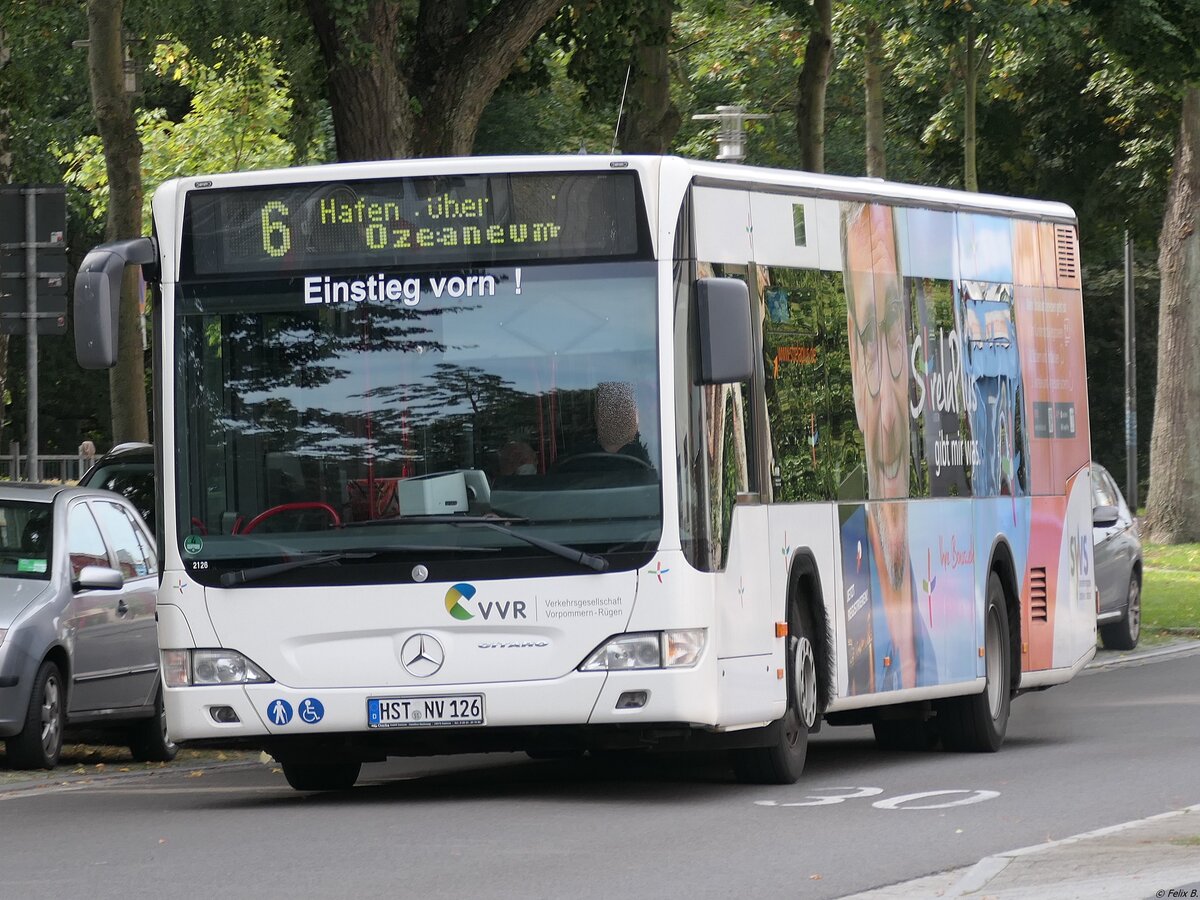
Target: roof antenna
{"points": [[621, 109]]}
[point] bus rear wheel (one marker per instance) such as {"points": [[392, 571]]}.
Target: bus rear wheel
{"points": [[307, 776], [781, 759], [977, 723]]}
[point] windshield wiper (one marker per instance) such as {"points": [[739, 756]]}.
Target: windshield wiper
{"points": [[257, 573], [503, 524]]}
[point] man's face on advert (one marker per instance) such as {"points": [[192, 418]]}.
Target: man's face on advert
{"points": [[878, 358]]}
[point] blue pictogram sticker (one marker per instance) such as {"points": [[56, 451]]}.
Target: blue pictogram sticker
{"points": [[311, 710], [279, 712]]}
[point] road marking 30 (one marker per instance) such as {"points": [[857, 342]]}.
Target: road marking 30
{"points": [[832, 795]]}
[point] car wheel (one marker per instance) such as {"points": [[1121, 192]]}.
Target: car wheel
{"points": [[782, 759], [1124, 635], [148, 740], [978, 722], [39, 743], [338, 776]]}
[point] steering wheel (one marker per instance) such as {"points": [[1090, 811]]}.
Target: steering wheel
{"points": [[588, 460], [292, 507]]}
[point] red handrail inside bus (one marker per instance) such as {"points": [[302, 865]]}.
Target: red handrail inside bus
{"points": [[290, 507]]}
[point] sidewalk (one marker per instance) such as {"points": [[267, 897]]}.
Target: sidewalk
{"points": [[1151, 859], [1157, 857]]}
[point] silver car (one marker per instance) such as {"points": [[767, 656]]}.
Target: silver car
{"points": [[1118, 557], [78, 575]]}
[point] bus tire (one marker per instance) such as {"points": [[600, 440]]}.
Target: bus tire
{"points": [[306, 776], [781, 759], [977, 723]]}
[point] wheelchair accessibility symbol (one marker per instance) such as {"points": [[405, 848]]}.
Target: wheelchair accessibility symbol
{"points": [[310, 710]]}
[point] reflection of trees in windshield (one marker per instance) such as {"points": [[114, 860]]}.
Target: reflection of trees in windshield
{"points": [[453, 413], [274, 378]]}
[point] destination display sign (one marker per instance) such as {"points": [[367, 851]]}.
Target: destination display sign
{"points": [[398, 223]]}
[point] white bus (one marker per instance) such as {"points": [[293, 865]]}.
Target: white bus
{"points": [[564, 454]]}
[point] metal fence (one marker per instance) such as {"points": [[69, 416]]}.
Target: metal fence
{"points": [[50, 467]]}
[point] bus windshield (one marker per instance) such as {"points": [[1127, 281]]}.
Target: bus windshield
{"points": [[526, 393]]}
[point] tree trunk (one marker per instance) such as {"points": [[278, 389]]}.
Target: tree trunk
{"points": [[462, 69], [970, 86], [396, 93], [814, 77], [650, 119], [1173, 507], [368, 97], [122, 158], [873, 87]]}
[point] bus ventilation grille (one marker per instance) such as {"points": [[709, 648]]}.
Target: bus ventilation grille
{"points": [[1037, 594], [1064, 251]]}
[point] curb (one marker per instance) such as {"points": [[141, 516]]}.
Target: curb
{"points": [[985, 871], [69, 781], [1111, 659]]}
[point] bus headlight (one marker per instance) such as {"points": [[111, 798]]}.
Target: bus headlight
{"points": [[182, 668], [679, 648]]}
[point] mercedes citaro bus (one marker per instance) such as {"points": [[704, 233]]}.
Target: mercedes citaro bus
{"points": [[577, 453]]}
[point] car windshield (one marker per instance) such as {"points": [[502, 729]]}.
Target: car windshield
{"points": [[26, 532], [301, 421]]}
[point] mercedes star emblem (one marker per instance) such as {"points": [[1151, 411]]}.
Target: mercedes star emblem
{"points": [[422, 655]]}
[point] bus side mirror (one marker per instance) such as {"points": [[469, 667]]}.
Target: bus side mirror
{"points": [[98, 299], [723, 322]]}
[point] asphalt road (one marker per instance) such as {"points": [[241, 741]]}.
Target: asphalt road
{"points": [[1114, 745]]}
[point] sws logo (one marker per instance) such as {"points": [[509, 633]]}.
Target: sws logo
{"points": [[1080, 555], [461, 596], [1080, 569]]}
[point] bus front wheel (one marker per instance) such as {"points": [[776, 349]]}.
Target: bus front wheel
{"points": [[781, 759], [306, 776]]}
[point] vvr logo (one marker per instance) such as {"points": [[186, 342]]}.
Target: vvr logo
{"points": [[460, 600]]}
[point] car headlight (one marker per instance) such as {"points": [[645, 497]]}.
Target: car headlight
{"points": [[678, 648], [182, 668]]}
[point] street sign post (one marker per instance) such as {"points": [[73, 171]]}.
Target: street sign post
{"points": [[33, 283]]}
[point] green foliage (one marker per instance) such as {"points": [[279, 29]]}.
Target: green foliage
{"points": [[1080, 104], [44, 85], [748, 53], [810, 401], [600, 37], [1158, 39], [239, 120], [547, 116]]}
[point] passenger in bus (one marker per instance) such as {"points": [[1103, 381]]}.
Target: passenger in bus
{"points": [[517, 458], [903, 654]]}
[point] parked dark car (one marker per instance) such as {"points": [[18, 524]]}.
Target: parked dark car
{"points": [[78, 642], [1118, 559], [128, 470]]}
